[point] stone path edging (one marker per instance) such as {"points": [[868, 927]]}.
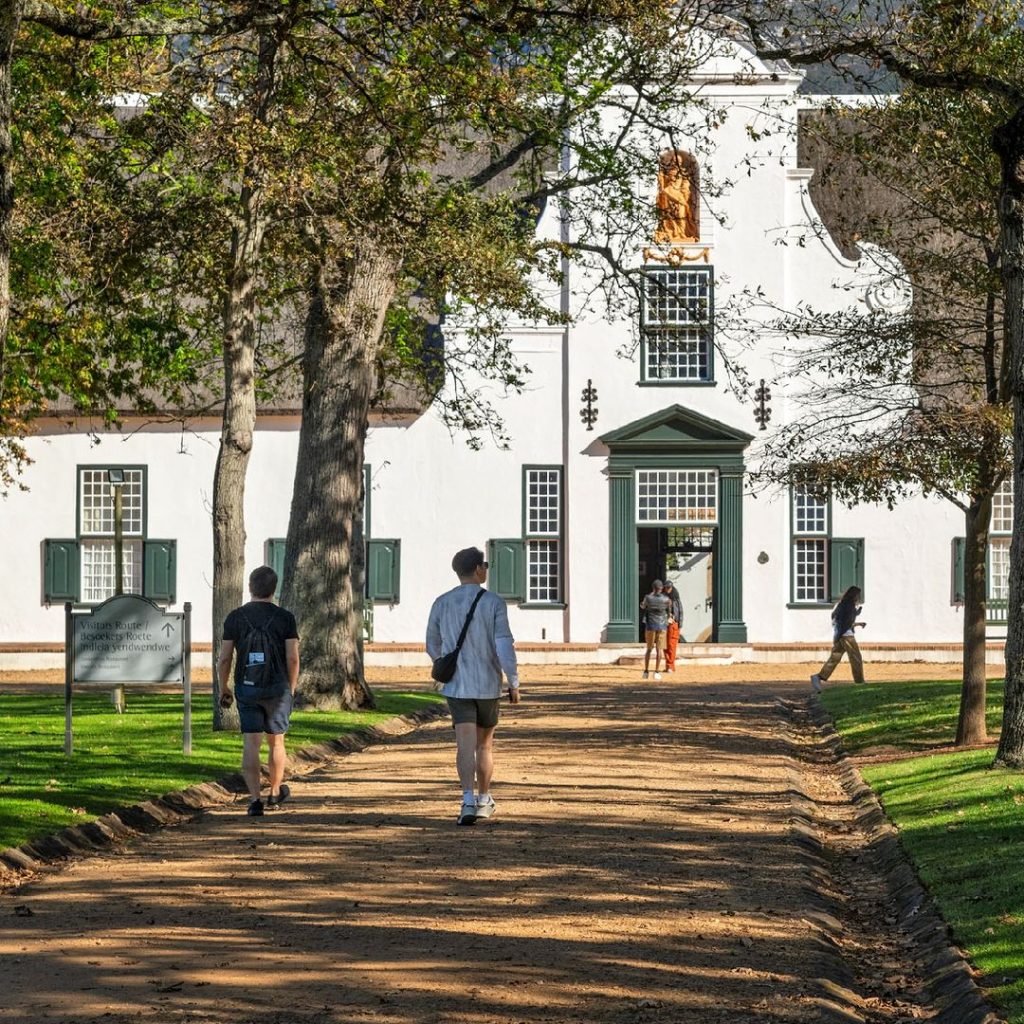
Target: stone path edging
{"points": [[834, 997], [947, 974], [184, 804]]}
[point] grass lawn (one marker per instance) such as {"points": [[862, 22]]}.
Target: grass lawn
{"points": [[960, 820], [122, 759]]}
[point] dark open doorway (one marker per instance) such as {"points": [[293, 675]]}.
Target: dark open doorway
{"points": [[685, 555]]}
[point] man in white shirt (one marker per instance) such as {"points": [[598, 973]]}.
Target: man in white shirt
{"points": [[474, 692]]}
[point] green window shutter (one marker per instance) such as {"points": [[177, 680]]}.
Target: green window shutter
{"points": [[383, 568], [846, 557], [507, 574], [274, 554], [959, 589], [61, 571], [160, 570]]}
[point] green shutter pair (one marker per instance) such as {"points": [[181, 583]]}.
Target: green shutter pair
{"points": [[62, 570], [846, 555], [506, 576], [383, 567]]}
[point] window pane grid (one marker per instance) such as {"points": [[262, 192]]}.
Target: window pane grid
{"points": [[542, 514], [99, 572], [809, 570], [1002, 508], [96, 512], [677, 355], [543, 502], [672, 496], [810, 513], [542, 563], [999, 569], [677, 297]]}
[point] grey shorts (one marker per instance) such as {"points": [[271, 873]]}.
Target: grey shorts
{"points": [[270, 715], [483, 713]]}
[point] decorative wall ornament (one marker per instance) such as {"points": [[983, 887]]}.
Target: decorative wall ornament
{"points": [[762, 411], [888, 290], [676, 256], [589, 411], [677, 203]]}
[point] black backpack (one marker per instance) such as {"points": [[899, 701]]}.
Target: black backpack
{"points": [[259, 654]]}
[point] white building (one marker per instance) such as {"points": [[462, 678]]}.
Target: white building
{"points": [[582, 512]]}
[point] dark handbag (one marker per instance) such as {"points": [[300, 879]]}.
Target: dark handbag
{"points": [[444, 667]]}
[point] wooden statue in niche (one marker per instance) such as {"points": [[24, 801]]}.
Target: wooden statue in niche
{"points": [[678, 199]]}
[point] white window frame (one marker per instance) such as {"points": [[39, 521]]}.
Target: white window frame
{"points": [[1000, 532], [676, 325], [543, 509], [95, 507], [657, 489], [809, 548]]}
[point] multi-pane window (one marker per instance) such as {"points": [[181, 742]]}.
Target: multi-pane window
{"points": [[1000, 531], [999, 569], [1002, 508], [677, 316], [96, 532], [542, 518], [99, 571], [96, 503], [543, 502], [810, 522], [542, 571], [668, 497]]}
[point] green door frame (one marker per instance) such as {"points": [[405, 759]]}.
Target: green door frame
{"points": [[675, 438]]}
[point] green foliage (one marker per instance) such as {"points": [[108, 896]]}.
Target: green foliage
{"points": [[91, 330], [959, 819], [920, 402], [122, 759]]}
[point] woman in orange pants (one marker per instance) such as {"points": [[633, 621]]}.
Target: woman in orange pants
{"points": [[675, 617]]}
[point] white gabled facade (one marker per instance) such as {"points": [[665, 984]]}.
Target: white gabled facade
{"points": [[581, 556]]}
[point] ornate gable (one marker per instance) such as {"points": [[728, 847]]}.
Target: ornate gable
{"points": [[676, 429]]}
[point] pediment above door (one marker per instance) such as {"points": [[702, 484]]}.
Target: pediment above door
{"points": [[676, 429]]}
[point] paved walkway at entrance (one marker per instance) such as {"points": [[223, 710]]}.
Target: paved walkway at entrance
{"points": [[642, 867]]}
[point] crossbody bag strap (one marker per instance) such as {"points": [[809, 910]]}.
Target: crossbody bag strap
{"points": [[469, 619]]}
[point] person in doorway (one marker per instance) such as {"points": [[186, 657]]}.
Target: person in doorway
{"points": [[266, 674], [844, 617], [656, 608], [675, 620], [474, 692]]}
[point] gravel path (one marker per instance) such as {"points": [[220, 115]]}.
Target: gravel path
{"points": [[643, 866]]}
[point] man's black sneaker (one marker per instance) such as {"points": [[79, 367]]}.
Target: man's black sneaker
{"points": [[255, 809], [273, 802]]}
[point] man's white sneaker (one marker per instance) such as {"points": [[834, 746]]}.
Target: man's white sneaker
{"points": [[645, 675], [485, 808], [816, 683], [468, 814], [657, 675]]}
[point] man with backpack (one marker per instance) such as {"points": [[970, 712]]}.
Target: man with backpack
{"points": [[266, 640]]}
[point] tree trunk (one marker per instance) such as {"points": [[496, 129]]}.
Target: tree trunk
{"points": [[1008, 142], [10, 20], [239, 421], [237, 429], [343, 330], [970, 727]]}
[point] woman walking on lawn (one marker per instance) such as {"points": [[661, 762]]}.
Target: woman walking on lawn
{"points": [[844, 622]]}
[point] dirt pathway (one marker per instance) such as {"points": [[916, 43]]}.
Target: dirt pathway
{"points": [[643, 866]]}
